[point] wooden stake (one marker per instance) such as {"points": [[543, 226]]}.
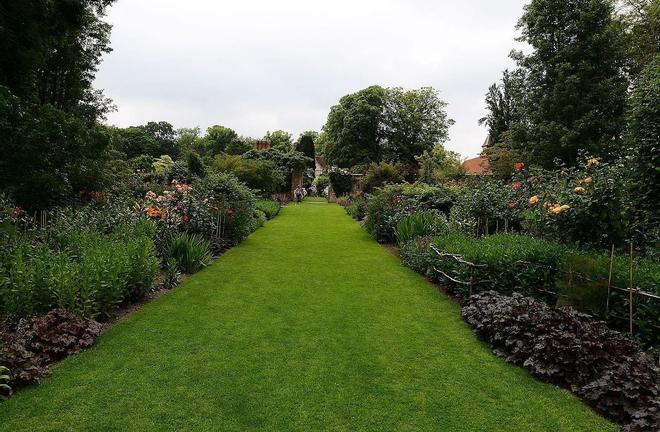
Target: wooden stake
{"points": [[609, 283]]}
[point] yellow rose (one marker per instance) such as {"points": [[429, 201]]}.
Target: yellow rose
{"points": [[592, 162], [579, 189], [565, 207], [533, 200], [588, 180]]}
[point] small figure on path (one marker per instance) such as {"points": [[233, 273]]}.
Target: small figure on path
{"points": [[298, 194]]}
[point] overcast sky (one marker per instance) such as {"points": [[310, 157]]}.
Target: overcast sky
{"points": [[258, 65]]}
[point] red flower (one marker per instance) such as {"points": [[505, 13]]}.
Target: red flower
{"points": [[517, 185], [519, 166], [229, 213], [15, 212], [185, 218], [512, 205]]}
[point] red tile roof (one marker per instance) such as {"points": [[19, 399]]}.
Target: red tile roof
{"points": [[478, 165]]}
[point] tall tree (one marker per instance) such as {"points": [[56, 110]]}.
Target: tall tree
{"points": [[352, 128], [51, 146], [577, 90], [217, 139], [642, 20], [164, 133], [280, 140], [643, 137], [238, 146], [306, 144], [504, 102], [413, 121]]}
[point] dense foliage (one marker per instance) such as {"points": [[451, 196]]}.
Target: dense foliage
{"points": [[395, 202], [341, 182], [378, 124], [52, 146], [29, 347], [604, 368]]}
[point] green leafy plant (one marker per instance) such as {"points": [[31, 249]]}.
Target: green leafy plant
{"points": [[191, 252], [378, 175], [271, 208], [422, 223], [5, 388]]}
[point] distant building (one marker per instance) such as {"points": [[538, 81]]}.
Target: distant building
{"points": [[261, 144], [478, 165], [319, 168]]}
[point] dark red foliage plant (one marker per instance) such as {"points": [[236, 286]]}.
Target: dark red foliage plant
{"points": [[29, 348], [606, 369]]}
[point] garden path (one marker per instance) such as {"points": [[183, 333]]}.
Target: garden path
{"points": [[307, 325]]}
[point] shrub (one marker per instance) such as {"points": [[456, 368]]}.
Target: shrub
{"points": [[270, 208], [85, 272], [603, 367], [341, 181], [221, 210], [357, 209], [37, 342], [321, 183], [191, 252], [378, 175], [418, 255], [343, 201], [256, 174], [393, 202], [422, 223], [504, 262]]}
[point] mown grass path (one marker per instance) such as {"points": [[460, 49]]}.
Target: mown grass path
{"points": [[308, 325]]}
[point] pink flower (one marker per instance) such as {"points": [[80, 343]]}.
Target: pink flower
{"points": [[519, 166], [517, 185], [512, 205]]}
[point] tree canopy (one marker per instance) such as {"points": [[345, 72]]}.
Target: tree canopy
{"points": [[280, 140], [576, 89], [306, 144], [52, 146], [413, 121]]}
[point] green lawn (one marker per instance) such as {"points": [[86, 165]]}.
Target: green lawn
{"points": [[307, 325]]}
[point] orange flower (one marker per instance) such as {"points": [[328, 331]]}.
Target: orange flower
{"points": [[588, 180], [153, 212], [579, 189], [533, 200], [592, 162]]}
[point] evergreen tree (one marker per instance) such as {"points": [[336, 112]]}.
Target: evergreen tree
{"points": [[574, 77]]}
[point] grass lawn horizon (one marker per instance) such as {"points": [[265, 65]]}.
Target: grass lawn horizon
{"points": [[307, 325]]}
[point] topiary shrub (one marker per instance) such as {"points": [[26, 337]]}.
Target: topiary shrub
{"points": [[605, 368]]}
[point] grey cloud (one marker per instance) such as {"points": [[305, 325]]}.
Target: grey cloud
{"points": [[261, 65]]}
